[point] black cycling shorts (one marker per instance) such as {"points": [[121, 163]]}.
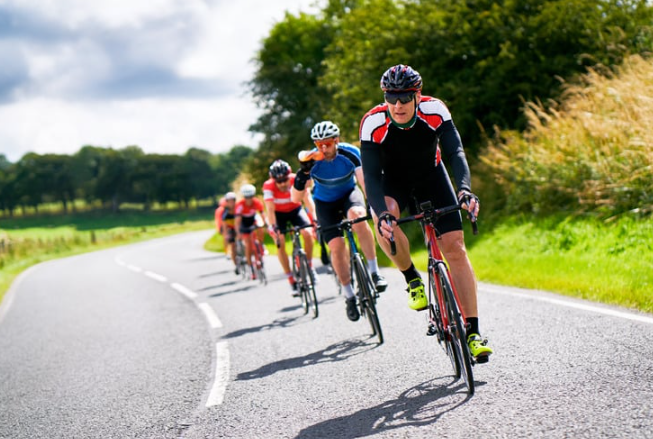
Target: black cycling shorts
{"points": [[297, 217], [331, 213], [435, 187]]}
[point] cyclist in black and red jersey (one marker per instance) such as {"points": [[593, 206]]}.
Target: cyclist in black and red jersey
{"points": [[227, 226], [402, 143]]}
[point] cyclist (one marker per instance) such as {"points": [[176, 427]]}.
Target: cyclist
{"points": [[227, 226], [248, 212], [281, 210], [402, 141], [335, 167]]}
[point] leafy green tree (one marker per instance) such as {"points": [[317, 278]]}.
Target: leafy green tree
{"points": [[228, 166]]}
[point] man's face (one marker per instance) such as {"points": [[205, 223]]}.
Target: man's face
{"points": [[230, 204], [328, 147], [249, 200], [283, 183], [402, 105]]}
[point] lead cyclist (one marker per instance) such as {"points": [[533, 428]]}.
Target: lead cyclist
{"points": [[402, 144]]}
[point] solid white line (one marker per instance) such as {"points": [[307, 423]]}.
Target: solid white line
{"points": [[210, 315], [183, 290], [134, 268], [156, 276], [216, 397], [570, 304], [13, 288]]}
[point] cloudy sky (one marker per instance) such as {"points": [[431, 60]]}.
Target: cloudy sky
{"points": [[162, 74]]}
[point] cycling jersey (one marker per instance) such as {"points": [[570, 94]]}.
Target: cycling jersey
{"points": [[248, 213], [218, 217], [228, 218], [406, 156], [335, 178], [281, 199]]}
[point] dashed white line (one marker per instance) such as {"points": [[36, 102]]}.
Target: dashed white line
{"points": [[134, 268], [210, 315], [216, 397], [155, 276], [570, 304], [183, 290]]}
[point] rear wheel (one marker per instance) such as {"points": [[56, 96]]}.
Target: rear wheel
{"points": [[367, 297], [260, 264], [457, 331]]}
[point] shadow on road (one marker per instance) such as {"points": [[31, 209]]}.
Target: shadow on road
{"points": [[216, 273], [277, 323], [335, 352], [418, 406]]}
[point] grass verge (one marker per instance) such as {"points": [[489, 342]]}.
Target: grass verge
{"points": [[28, 241]]}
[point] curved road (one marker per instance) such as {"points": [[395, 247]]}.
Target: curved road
{"points": [[162, 340]]}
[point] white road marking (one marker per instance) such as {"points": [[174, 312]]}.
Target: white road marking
{"points": [[134, 268], [216, 397], [210, 315], [183, 290], [120, 261], [570, 304], [155, 276]]}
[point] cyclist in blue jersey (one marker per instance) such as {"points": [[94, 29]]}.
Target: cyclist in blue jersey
{"points": [[405, 142], [335, 167]]}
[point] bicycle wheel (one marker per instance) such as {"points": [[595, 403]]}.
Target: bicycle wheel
{"points": [[457, 330], [436, 325], [260, 264], [367, 297], [296, 272], [310, 298], [240, 259]]}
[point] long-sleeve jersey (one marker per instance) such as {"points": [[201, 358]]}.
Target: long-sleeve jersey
{"points": [[405, 155]]}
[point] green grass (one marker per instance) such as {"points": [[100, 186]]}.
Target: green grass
{"points": [[27, 241], [604, 262]]}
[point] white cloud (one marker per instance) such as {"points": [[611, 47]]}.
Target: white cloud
{"points": [[163, 74]]}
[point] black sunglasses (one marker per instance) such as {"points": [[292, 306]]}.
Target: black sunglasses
{"points": [[281, 180], [403, 98]]}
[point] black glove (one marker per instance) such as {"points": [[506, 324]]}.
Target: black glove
{"points": [[465, 196], [385, 217], [300, 180], [305, 167]]}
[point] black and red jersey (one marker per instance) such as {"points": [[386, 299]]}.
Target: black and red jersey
{"points": [[406, 155]]}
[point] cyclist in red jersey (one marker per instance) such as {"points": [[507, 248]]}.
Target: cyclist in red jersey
{"points": [[402, 141], [227, 226], [248, 213], [281, 210]]}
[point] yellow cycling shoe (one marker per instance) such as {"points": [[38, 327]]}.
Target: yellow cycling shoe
{"points": [[416, 297], [478, 348]]}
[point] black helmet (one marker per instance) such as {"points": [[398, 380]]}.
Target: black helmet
{"points": [[279, 169], [401, 78]]}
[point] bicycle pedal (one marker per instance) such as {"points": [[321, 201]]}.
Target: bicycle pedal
{"points": [[431, 331], [481, 359]]}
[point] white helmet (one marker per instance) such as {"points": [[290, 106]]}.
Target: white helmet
{"points": [[248, 190], [324, 130], [230, 196]]}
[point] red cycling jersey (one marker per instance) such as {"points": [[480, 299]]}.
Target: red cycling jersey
{"points": [[248, 213], [282, 200]]}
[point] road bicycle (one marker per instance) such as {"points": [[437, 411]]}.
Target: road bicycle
{"points": [[445, 315], [257, 269], [361, 280], [302, 272]]}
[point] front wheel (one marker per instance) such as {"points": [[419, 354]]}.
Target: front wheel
{"points": [[308, 287], [456, 329], [367, 297], [437, 324]]}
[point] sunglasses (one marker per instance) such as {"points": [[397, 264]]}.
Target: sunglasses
{"points": [[281, 180], [325, 143], [403, 98]]}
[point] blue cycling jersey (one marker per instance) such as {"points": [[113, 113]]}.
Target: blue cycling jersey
{"points": [[335, 178]]}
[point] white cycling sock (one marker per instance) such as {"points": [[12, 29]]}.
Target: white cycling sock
{"points": [[372, 265], [349, 291]]}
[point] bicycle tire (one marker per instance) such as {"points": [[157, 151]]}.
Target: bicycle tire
{"points": [[367, 297], [299, 281], [457, 330], [260, 269], [308, 286], [437, 325]]}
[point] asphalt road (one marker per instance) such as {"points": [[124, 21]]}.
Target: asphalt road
{"points": [[162, 340]]}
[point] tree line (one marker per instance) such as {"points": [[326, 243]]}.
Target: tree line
{"points": [[116, 176], [483, 58]]}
